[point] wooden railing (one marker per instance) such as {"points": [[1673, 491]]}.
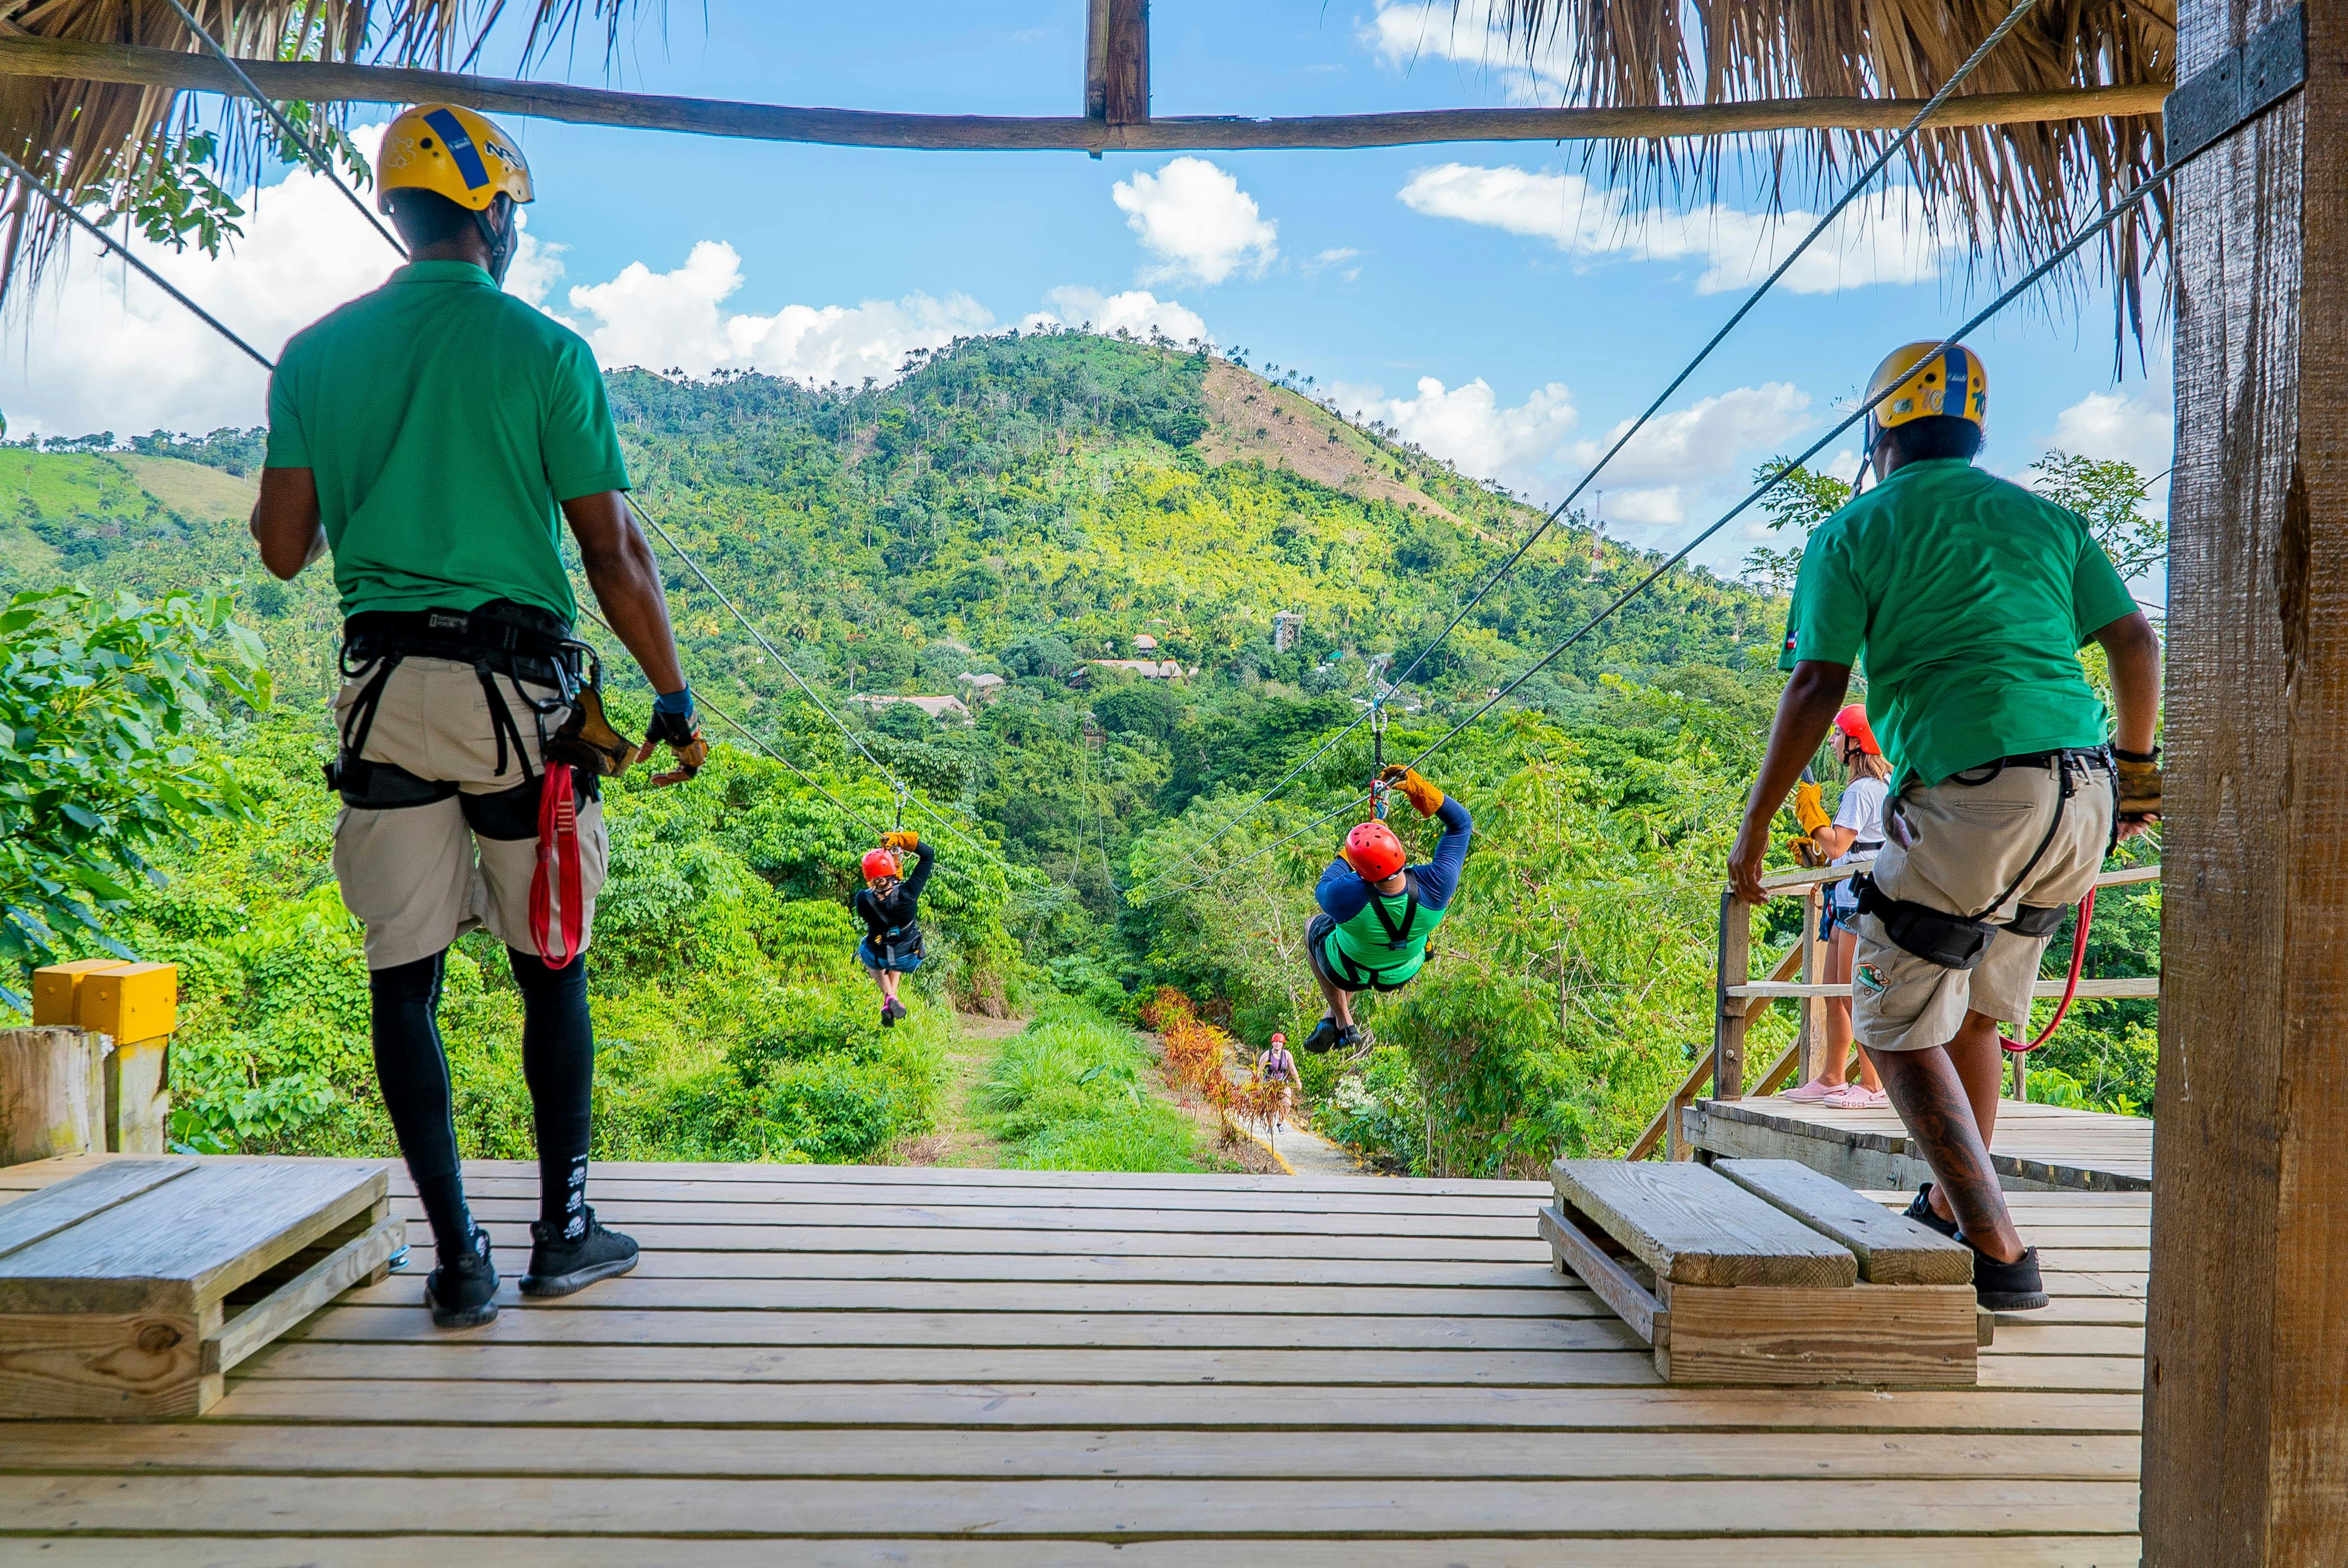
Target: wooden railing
{"points": [[1793, 979]]}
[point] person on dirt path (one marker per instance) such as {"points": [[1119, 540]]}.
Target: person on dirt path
{"points": [[1969, 597], [434, 437], [888, 905], [1277, 1066], [1855, 832], [1377, 914]]}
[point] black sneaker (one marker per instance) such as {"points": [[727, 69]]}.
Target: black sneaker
{"points": [[887, 1015], [1353, 1038], [1922, 1211], [1324, 1036], [559, 1266], [2014, 1286], [464, 1294], [896, 1007]]}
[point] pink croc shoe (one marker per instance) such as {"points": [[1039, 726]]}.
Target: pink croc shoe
{"points": [[1810, 1093], [1857, 1097]]}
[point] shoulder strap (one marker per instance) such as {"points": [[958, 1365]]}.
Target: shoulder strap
{"points": [[1397, 935]]}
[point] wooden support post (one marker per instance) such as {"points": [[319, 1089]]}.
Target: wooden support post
{"points": [[1729, 1013], [1810, 1042], [2245, 1431], [1124, 61], [52, 1094]]}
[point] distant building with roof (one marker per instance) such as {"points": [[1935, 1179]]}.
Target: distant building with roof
{"points": [[936, 707]]}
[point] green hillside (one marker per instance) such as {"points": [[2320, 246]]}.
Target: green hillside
{"points": [[1019, 507]]}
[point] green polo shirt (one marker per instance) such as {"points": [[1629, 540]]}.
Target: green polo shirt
{"points": [[1970, 598], [444, 421]]}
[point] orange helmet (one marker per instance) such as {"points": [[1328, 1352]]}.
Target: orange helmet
{"points": [[877, 863], [1373, 850], [1852, 721]]}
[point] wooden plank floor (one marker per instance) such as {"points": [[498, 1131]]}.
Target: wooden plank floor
{"points": [[2041, 1146], [867, 1367]]}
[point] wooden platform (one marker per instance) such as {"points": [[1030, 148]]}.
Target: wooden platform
{"points": [[835, 1366], [2036, 1147]]}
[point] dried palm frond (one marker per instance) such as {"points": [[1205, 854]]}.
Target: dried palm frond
{"points": [[100, 142], [2011, 192]]}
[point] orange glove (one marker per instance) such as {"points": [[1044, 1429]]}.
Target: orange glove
{"points": [[905, 842], [1422, 794]]}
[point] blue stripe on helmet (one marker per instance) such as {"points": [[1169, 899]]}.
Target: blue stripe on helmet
{"points": [[461, 147], [1960, 385]]}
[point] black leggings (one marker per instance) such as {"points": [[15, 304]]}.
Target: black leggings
{"points": [[557, 1062]]}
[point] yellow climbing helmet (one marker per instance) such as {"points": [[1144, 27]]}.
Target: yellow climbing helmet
{"points": [[453, 152], [1914, 383]]}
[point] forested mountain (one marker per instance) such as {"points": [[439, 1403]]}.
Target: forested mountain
{"points": [[1020, 506]]}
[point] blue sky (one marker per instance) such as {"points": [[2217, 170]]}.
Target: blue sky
{"points": [[1379, 273]]}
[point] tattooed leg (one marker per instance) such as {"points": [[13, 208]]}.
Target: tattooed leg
{"points": [[1931, 1096]]}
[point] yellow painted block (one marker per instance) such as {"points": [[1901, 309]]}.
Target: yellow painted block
{"points": [[131, 1001], [57, 990]]}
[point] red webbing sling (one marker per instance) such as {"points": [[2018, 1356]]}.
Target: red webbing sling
{"points": [[557, 860], [2070, 986]]}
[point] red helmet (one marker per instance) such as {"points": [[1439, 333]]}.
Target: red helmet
{"points": [[1278, 1038], [1373, 850], [1852, 721], [879, 863]]}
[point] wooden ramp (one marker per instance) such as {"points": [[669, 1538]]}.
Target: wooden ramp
{"points": [[866, 1367], [2037, 1147]]}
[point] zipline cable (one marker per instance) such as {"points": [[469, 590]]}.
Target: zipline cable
{"points": [[1851, 194], [2030, 280], [853, 739], [24, 177], [746, 734], [318, 160]]}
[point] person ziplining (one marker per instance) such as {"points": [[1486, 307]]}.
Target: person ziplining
{"points": [[1377, 913], [433, 436], [889, 905], [1969, 597]]}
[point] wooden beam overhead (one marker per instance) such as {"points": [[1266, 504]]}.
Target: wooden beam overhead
{"points": [[316, 83], [1097, 59]]}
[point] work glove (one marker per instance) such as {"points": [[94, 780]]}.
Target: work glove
{"points": [[903, 842], [681, 733], [1809, 810], [2139, 777], [1425, 796], [1806, 851]]}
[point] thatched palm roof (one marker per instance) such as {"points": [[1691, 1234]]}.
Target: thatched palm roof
{"points": [[2010, 192], [2006, 192], [93, 140]]}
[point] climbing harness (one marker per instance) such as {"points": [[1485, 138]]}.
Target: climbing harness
{"points": [[1961, 942], [511, 648]]}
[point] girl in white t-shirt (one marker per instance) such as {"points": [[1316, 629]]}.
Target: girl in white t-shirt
{"points": [[1856, 835]]}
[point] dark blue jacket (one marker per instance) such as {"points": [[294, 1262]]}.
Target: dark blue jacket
{"points": [[1344, 894]]}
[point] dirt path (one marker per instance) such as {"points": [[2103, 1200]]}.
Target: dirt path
{"points": [[960, 1140], [1310, 1154]]}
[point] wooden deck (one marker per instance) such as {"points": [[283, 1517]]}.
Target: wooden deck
{"points": [[2036, 1147], [867, 1365]]}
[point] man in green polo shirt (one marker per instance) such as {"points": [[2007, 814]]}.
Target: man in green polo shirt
{"points": [[435, 436], [1969, 597]]}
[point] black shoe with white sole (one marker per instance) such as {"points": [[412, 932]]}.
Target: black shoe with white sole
{"points": [[1922, 1211], [464, 1294], [560, 1265], [1324, 1036], [2015, 1287]]}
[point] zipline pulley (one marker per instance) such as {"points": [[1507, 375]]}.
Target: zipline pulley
{"points": [[1379, 788]]}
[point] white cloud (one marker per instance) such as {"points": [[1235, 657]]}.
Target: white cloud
{"points": [[1135, 310], [661, 320], [1704, 440], [1879, 241], [1198, 221], [1405, 31], [100, 348], [1335, 256], [2142, 429], [1467, 426]]}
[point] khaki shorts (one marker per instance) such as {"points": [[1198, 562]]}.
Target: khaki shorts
{"points": [[419, 877], [1967, 843]]}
